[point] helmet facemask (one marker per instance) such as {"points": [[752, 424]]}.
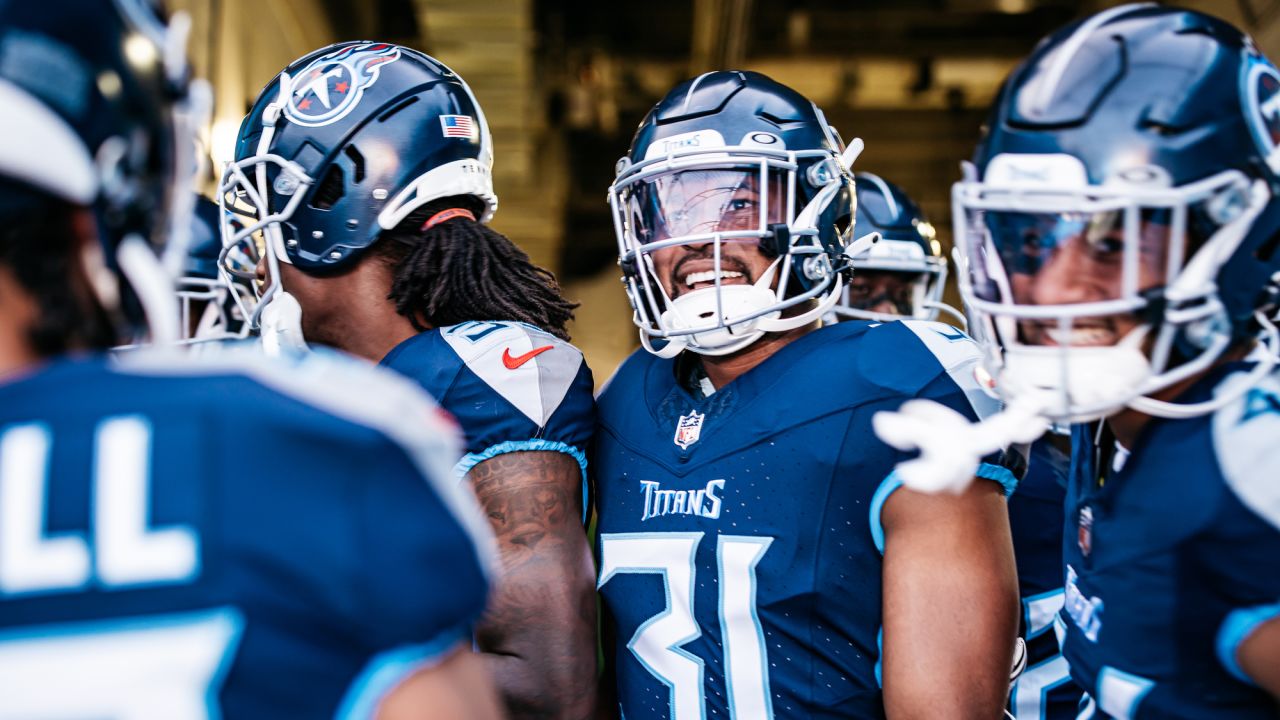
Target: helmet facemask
{"points": [[214, 309], [725, 205], [925, 278], [249, 227], [902, 276], [1097, 296]]}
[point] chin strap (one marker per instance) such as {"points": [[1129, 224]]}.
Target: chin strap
{"points": [[822, 307]]}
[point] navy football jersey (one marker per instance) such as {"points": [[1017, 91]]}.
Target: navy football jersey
{"points": [[739, 533], [236, 538], [511, 387], [1167, 550], [1044, 691]]}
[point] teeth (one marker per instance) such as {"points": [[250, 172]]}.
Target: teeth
{"points": [[709, 276], [1081, 336]]}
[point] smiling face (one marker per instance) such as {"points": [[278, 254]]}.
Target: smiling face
{"points": [[701, 205], [1073, 259]]}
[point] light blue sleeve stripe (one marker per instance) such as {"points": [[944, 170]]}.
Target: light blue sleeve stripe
{"points": [[880, 657], [387, 670], [887, 486], [998, 474], [1235, 630], [471, 460], [986, 471]]}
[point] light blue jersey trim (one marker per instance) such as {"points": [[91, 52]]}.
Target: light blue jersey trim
{"points": [[387, 670], [887, 486], [998, 474], [880, 658], [1236, 628], [471, 460], [986, 471]]}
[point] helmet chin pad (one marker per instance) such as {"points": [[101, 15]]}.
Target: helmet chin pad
{"points": [[699, 309], [1095, 383], [282, 326]]}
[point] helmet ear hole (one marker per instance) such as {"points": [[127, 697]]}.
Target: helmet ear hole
{"points": [[330, 190]]}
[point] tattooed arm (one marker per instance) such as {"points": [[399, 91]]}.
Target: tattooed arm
{"points": [[538, 635]]}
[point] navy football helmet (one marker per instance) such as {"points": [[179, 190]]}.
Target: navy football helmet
{"points": [[1132, 160], [729, 157], [908, 250], [343, 144], [209, 306], [99, 112]]}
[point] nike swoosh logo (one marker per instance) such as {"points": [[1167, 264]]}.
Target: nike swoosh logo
{"points": [[956, 335], [514, 362]]}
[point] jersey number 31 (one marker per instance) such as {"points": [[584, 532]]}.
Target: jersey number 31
{"points": [[657, 643]]}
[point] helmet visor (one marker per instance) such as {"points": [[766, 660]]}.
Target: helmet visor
{"points": [[1068, 258], [699, 203]]}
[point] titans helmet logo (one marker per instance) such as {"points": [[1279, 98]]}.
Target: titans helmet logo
{"points": [[331, 86], [1262, 92]]}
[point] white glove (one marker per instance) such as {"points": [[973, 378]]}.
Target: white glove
{"points": [[951, 447]]}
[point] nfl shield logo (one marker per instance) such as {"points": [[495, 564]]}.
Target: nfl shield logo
{"points": [[1084, 530], [688, 429]]}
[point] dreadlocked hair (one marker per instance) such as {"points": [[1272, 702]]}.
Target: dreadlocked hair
{"points": [[39, 244], [461, 270]]}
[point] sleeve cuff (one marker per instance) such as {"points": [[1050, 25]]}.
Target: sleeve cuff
{"points": [[471, 460], [986, 471], [1235, 629], [1002, 475]]}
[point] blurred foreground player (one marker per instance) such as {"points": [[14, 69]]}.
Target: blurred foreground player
{"points": [[758, 557], [1120, 232], [366, 168], [181, 539]]}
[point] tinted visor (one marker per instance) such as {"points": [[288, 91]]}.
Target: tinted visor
{"points": [[705, 202], [1067, 258]]}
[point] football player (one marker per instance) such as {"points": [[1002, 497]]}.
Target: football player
{"points": [[153, 564], [901, 277], [758, 557], [365, 170], [1120, 232]]}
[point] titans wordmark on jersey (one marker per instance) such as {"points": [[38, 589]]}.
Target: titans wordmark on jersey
{"points": [[1173, 556], [739, 534], [226, 537]]}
